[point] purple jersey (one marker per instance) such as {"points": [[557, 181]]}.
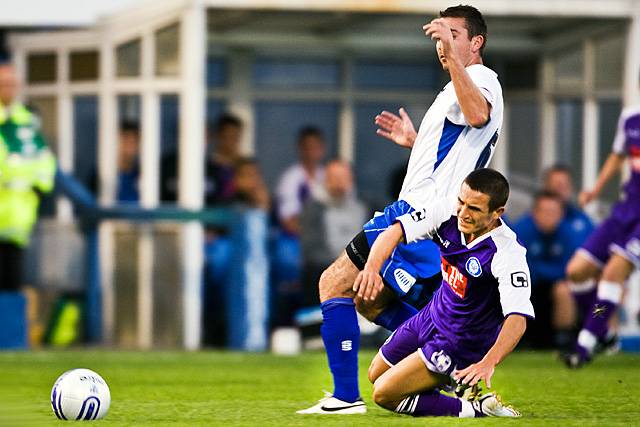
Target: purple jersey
{"points": [[483, 282], [627, 142]]}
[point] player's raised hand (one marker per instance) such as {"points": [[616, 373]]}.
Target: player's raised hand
{"points": [[368, 285], [398, 129], [440, 31], [472, 374], [585, 197]]}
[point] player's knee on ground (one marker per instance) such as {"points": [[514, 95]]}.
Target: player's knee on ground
{"points": [[337, 280], [382, 395]]}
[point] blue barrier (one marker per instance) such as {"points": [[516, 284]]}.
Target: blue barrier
{"points": [[13, 321], [247, 284]]}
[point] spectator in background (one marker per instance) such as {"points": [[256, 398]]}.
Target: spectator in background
{"points": [[127, 190], [249, 186], [326, 224], [222, 153], [550, 241], [302, 180], [557, 179], [27, 169]]}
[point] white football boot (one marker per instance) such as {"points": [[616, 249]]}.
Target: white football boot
{"points": [[331, 405], [491, 406]]}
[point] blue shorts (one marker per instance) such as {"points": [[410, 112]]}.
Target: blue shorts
{"points": [[409, 264]]}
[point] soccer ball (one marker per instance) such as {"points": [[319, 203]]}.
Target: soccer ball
{"points": [[80, 394]]}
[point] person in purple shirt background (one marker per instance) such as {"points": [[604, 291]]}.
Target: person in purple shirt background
{"points": [[474, 320], [613, 249]]}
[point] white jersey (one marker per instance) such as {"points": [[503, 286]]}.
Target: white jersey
{"points": [[447, 149]]}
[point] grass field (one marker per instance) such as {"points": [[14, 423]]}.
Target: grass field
{"points": [[233, 389]]}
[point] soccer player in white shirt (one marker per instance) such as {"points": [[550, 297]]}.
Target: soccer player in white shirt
{"points": [[457, 135]]}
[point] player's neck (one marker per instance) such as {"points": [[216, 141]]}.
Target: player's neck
{"points": [[469, 238]]}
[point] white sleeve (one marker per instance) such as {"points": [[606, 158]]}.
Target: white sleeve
{"points": [[619, 143], [509, 266], [287, 193], [489, 86], [423, 222]]}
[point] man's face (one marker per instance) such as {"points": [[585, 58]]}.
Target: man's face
{"points": [[312, 150], [8, 84], [228, 140], [338, 179], [129, 144], [547, 214], [560, 183], [463, 47], [473, 212]]}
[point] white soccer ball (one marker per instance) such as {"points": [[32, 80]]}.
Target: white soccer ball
{"points": [[80, 394]]}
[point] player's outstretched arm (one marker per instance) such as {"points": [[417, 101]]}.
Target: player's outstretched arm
{"points": [[368, 283], [512, 330], [398, 129], [610, 168], [474, 106]]}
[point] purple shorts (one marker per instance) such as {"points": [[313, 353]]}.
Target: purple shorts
{"points": [[619, 233], [420, 334]]}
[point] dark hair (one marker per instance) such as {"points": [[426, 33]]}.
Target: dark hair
{"points": [[308, 131], [225, 120], [129, 126], [475, 22], [547, 194], [558, 167], [492, 183]]}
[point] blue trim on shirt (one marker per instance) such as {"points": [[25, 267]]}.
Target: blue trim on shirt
{"points": [[450, 134], [485, 156]]}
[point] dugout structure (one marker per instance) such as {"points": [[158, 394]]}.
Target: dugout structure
{"points": [[567, 68]]}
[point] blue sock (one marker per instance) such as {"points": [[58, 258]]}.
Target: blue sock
{"points": [[395, 315], [341, 336]]}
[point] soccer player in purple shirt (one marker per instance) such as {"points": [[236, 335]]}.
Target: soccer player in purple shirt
{"points": [[613, 249], [474, 320]]}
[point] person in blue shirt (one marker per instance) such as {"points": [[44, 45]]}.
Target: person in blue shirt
{"points": [[557, 179], [550, 238]]}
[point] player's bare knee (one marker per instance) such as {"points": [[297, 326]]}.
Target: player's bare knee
{"points": [[383, 397]]}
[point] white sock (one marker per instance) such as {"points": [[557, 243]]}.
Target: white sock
{"points": [[467, 410]]}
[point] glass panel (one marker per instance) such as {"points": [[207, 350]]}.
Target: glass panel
{"points": [[277, 126], [569, 69], [168, 51], [523, 143], [85, 140], [216, 72], [609, 62], [608, 114], [129, 108], [83, 66], [128, 59], [379, 164], [42, 68], [372, 74], [569, 137], [268, 73], [46, 108], [520, 74]]}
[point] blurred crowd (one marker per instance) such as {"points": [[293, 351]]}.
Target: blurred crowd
{"points": [[314, 211]]}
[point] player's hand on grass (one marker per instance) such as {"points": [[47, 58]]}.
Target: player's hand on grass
{"points": [[472, 374], [585, 197], [368, 284], [398, 129]]}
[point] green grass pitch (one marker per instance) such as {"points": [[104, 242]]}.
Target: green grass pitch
{"points": [[234, 389]]}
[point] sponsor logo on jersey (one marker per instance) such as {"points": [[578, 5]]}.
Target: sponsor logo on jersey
{"points": [[473, 267], [454, 278], [404, 280], [519, 279]]}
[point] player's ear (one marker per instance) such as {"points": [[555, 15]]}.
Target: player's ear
{"points": [[498, 212], [476, 43]]}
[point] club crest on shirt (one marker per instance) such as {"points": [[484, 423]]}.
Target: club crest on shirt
{"points": [[473, 267]]}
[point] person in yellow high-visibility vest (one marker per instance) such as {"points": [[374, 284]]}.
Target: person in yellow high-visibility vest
{"points": [[27, 169]]}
